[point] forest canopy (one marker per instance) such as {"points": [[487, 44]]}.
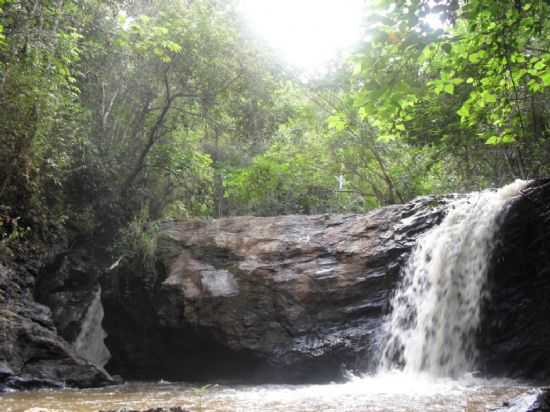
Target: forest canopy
{"points": [[115, 114]]}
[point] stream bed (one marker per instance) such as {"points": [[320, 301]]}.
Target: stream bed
{"points": [[392, 391]]}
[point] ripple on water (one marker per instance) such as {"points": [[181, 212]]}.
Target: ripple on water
{"points": [[392, 391]]}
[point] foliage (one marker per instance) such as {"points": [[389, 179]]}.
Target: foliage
{"points": [[138, 241], [36, 91], [116, 114], [11, 232], [125, 110], [295, 175], [481, 81]]}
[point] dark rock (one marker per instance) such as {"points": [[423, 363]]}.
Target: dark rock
{"points": [[117, 379], [5, 371], [32, 354], [69, 286], [515, 333], [30, 383], [280, 298]]}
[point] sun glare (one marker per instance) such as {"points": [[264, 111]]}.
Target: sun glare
{"points": [[306, 33]]}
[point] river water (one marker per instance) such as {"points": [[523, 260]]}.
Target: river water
{"points": [[393, 391], [428, 342]]}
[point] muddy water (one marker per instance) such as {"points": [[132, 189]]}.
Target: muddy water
{"points": [[387, 392]]}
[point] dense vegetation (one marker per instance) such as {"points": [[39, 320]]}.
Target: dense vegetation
{"points": [[115, 113]]}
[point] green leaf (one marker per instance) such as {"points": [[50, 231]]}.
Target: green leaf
{"points": [[449, 88], [488, 97], [535, 86], [474, 58], [493, 140], [464, 112], [386, 137], [337, 122], [540, 65]]}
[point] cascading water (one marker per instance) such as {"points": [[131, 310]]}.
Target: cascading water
{"points": [[432, 328], [436, 310]]}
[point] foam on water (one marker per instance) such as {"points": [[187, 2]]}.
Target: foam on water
{"points": [[436, 310], [392, 391]]}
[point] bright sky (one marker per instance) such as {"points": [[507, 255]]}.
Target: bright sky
{"points": [[307, 33]]}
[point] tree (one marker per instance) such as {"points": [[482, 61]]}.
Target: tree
{"points": [[484, 77]]}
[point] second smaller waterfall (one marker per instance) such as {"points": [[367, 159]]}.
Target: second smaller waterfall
{"points": [[436, 310]]}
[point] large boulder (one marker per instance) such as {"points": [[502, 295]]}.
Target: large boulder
{"points": [[288, 297]]}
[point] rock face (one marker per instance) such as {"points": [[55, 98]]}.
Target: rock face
{"points": [[515, 334], [32, 354], [90, 342], [70, 287], [536, 400], [290, 298]]}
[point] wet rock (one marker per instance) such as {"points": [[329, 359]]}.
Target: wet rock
{"points": [[69, 286], [5, 370], [32, 354], [30, 383], [283, 298], [536, 400], [90, 342], [515, 333]]}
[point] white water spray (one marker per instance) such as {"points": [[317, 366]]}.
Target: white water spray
{"points": [[436, 310]]}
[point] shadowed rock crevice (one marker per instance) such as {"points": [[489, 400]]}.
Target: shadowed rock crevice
{"points": [[32, 354]]}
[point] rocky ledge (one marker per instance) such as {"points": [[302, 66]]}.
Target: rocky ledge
{"points": [[287, 298]]}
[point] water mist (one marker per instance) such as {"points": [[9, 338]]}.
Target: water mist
{"points": [[436, 309]]}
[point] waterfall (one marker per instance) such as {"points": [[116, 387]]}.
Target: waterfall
{"points": [[436, 308]]}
